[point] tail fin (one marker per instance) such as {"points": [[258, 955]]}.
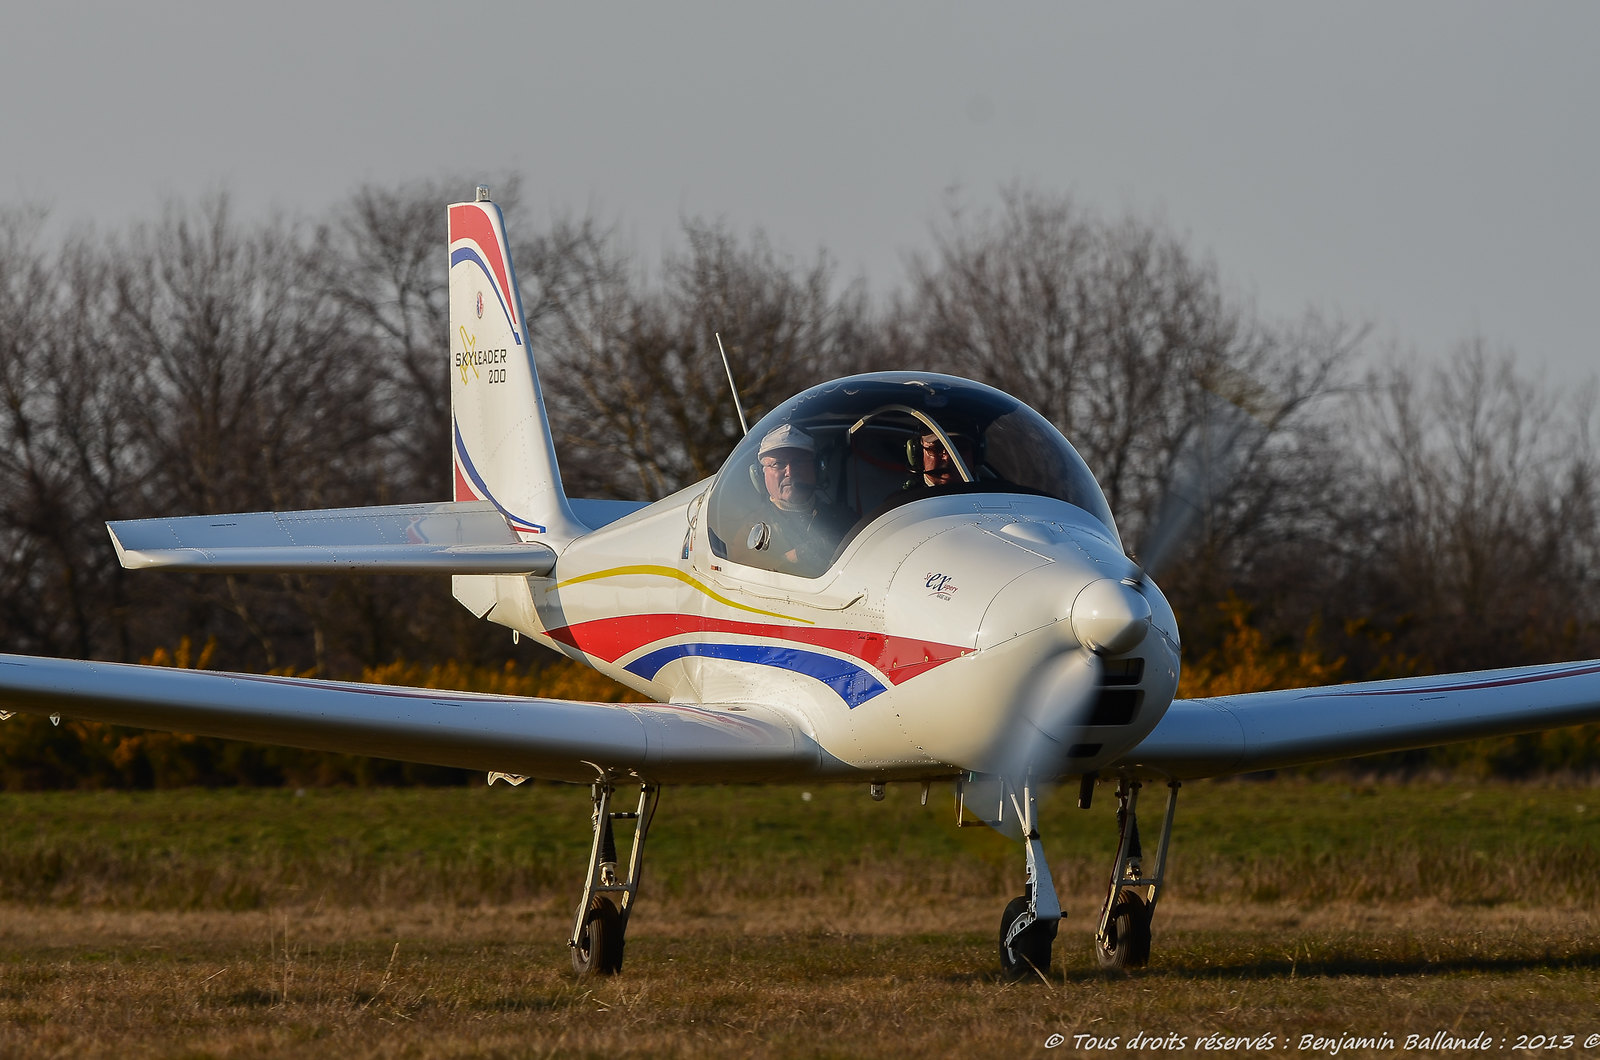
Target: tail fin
{"points": [[502, 450]]}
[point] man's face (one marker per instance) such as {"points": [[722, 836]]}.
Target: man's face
{"points": [[937, 467], [790, 474]]}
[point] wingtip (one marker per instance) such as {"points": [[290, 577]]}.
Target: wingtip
{"points": [[134, 558], [116, 543]]}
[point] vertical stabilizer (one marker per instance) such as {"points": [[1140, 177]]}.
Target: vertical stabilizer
{"points": [[501, 447]]}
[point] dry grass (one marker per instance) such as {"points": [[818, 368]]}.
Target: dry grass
{"points": [[206, 925], [776, 978]]}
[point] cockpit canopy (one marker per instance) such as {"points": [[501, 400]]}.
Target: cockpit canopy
{"points": [[877, 442]]}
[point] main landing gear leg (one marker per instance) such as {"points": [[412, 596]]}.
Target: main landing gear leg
{"points": [[1028, 926], [1122, 940], [602, 922]]}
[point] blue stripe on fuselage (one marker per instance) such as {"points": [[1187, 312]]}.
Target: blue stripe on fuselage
{"points": [[853, 684]]}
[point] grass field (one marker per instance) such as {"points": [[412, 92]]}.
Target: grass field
{"points": [[433, 922]]}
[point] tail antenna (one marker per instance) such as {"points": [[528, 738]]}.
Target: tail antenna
{"points": [[744, 428]]}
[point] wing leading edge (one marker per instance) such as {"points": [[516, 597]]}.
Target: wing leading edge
{"points": [[439, 538], [1269, 730], [547, 738]]}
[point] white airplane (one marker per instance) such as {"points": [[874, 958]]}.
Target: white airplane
{"points": [[895, 577]]}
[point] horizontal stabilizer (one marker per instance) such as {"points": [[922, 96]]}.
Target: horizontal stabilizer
{"points": [[441, 538]]}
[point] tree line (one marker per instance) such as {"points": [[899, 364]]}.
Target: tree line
{"points": [[1392, 513]]}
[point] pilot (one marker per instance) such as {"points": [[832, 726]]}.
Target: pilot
{"points": [[800, 529]]}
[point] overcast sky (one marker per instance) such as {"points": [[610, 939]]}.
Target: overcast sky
{"points": [[1429, 167]]}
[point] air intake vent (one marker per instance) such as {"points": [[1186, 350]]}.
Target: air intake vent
{"points": [[1122, 672], [1116, 706]]}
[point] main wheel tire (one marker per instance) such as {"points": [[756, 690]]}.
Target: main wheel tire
{"points": [[1029, 952], [1127, 941], [599, 948]]}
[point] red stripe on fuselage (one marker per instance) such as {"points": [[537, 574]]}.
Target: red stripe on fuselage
{"points": [[898, 658], [470, 222]]}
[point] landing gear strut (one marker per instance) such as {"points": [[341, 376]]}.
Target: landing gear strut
{"points": [[602, 921], [1122, 940], [1028, 926]]}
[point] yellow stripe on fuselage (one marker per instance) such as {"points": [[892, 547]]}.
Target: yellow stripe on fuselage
{"points": [[662, 571]]}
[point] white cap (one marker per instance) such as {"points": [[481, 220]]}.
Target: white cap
{"points": [[786, 436]]}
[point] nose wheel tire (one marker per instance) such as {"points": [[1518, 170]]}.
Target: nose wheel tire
{"points": [[1029, 952], [599, 947], [1126, 943]]}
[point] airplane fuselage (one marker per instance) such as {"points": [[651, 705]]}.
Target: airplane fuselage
{"points": [[906, 657]]}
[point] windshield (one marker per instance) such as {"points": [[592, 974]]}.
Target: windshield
{"points": [[822, 466]]}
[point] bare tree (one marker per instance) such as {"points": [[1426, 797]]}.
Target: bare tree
{"points": [[252, 386], [199, 365], [1123, 339], [251, 391], [1482, 550], [639, 396]]}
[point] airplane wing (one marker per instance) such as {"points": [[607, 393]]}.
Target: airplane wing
{"points": [[1269, 730], [547, 738], [441, 538]]}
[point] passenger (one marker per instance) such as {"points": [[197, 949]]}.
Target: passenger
{"points": [[802, 528], [936, 466]]}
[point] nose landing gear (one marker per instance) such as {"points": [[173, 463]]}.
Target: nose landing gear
{"points": [[1028, 926]]}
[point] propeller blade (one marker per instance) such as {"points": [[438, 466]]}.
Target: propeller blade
{"points": [[1227, 434], [1059, 702]]}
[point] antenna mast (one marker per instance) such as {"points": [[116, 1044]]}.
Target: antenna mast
{"points": [[744, 428]]}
